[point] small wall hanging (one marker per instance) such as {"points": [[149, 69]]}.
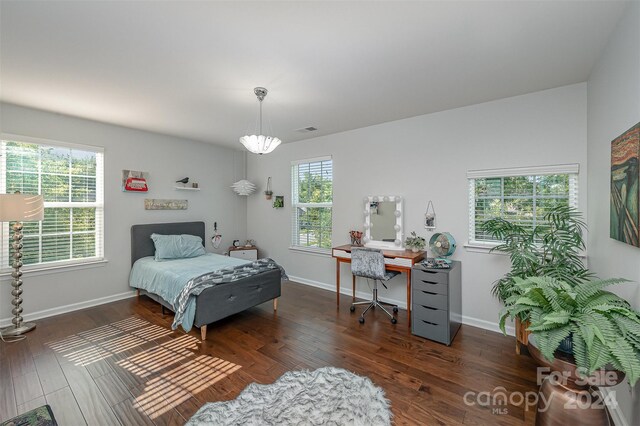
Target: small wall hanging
{"points": [[278, 203], [217, 237], [243, 187], [156, 204], [134, 181], [268, 193], [430, 217]]}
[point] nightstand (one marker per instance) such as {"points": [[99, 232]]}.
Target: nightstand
{"points": [[244, 252]]}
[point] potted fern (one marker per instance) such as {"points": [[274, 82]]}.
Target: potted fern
{"points": [[601, 327], [415, 242], [553, 248]]}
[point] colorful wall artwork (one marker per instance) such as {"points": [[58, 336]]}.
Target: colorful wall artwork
{"points": [[134, 181], [625, 187]]}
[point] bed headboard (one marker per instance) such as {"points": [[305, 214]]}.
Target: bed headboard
{"points": [[142, 245]]}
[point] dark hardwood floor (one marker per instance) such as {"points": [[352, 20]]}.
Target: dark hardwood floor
{"points": [[120, 363]]}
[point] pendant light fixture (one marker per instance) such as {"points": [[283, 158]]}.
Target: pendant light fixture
{"points": [[260, 144]]}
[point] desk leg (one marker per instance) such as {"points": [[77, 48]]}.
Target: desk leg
{"points": [[337, 282], [354, 288], [409, 297]]}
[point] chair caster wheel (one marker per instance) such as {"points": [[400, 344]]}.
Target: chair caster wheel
{"points": [[352, 308], [361, 320], [393, 320], [395, 309]]}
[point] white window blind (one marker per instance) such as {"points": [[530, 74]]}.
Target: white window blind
{"points": [[312, 203], [70, 179], [521, 195]]}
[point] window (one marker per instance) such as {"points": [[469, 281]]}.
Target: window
{"points": [[70, 180], [312, 202], [518, 195]]}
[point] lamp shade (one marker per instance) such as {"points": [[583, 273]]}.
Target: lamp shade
{"points": [[21, 207], [260, 144]]}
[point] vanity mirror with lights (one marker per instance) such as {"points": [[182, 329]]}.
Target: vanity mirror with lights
{"points": [[383, 227]]}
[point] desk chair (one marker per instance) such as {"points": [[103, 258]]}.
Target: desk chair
{"points": [[369, 263]]}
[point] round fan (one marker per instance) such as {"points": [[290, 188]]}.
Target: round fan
{"points": [[442, 244]]}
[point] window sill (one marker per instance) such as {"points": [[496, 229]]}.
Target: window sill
{"points": [[481, 247], [43, 269], [486, 249], [312, 250]]}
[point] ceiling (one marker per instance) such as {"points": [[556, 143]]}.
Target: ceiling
{"points": [[188, 68]]}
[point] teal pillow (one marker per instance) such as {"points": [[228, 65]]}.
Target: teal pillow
{"points": [[177, 246]]}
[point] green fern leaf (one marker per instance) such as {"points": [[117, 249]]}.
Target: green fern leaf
{"points": [[548, 341], [627, 357], [580, 349]]}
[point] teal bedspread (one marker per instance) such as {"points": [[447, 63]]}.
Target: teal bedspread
{"points": [[167, 278]]}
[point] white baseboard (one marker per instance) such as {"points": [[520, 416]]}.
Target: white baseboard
{"points": [[615, 411], [475, 322], [487, 325], [344, 290], [70, 308]]}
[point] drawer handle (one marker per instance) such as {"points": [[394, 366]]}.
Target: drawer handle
{"points": [[429, 322], [429, 282], [429, 272], [429, 307], [429, 292]]}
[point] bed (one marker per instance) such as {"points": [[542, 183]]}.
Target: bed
{"points": [[213, 303]]}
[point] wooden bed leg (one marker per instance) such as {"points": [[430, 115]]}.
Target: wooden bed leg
{"points": [[162, 308], [138, 293], [275, 304], [203, 332]]}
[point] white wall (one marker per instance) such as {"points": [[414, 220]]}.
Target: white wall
{"points": [[613, 107], [166, 159], [424, 158]]}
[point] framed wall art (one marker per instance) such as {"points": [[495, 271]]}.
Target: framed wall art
{"points": [[625, 187]]}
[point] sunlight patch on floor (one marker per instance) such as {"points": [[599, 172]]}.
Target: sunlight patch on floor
{"points": [[173, 387], [174, 369]]}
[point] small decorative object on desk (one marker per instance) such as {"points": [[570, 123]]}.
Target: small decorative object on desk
{"points": [[435, 263], [415, 243], [250, 243], [356, 238], [278, 203]]}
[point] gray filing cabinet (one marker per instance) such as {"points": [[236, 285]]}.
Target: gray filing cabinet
{"points": [[436, 302]]}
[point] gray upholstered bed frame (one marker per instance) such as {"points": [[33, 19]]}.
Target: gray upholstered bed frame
{"points": [[217, 302]]}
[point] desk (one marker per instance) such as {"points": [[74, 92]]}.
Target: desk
{"points": [[395, 260]]}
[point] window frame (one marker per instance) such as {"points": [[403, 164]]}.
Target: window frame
{"points": [[96, 260], [572, 170], [295, 205]]}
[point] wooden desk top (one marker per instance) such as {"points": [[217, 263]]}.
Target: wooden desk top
{"points": [[405, 254]]}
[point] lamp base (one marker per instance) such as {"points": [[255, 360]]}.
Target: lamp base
{"points": [[11, 331]]}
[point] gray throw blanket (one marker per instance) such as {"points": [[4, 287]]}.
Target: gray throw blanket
{"points": [[197, 285]]}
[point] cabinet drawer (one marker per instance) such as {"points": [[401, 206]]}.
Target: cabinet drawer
{"points": [[432, 287], [425, 329], [430, 299], [430, 276], [249, 254], [432, 315]]}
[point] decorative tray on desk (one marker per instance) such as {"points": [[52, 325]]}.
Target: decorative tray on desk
{"points": [[433, 263]]}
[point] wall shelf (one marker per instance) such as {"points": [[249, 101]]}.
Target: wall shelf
{"points": [[185, 188]]}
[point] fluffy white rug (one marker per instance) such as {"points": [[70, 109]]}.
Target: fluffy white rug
{"points": [[326, 396]]}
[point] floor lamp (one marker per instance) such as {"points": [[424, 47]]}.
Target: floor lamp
{"points": [[19, 208]]}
